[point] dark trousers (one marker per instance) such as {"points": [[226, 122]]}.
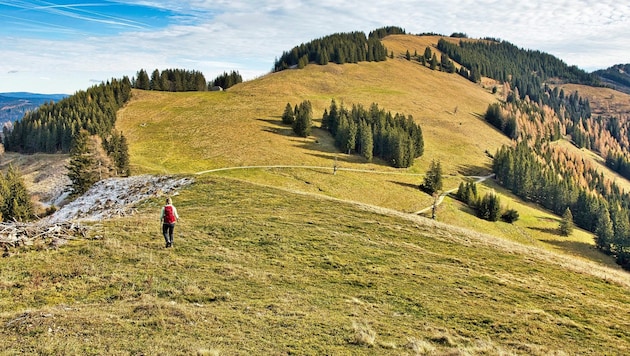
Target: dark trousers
{"points": [[167, 231]]}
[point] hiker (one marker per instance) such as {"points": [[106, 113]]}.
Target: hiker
{"points": [[168, 218]]}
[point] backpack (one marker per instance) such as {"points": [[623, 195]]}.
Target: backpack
{"points": [[169, 216]]}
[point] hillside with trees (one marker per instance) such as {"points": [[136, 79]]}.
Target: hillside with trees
{"points": [[338, 48], [289, 230], [86, 115], [617, 76]]}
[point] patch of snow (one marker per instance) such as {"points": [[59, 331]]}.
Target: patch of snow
{"points": [[116, 197]]}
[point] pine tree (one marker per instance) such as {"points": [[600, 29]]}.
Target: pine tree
{"points": [[427, 54], [566, 224], [434, 62], [81, 168], [408, 55], [288, 117], [604, 233], [142, 80], [303, 119], [433, 178], [16, 202], [366, 141]]}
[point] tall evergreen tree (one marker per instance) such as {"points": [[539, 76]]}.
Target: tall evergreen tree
{"points": [[82, 165], [303, 119], [16, 201], [566, 224], [604, 233], [433, 178], [366, 141], [288, 117], [142, 80]]}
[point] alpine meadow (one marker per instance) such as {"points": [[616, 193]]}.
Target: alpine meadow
{"points": [[386, 194]]}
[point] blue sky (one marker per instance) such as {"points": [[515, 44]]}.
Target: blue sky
{"points": [[65, 46]]}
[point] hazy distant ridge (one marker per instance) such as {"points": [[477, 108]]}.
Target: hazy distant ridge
{"points": [[13, 105]]}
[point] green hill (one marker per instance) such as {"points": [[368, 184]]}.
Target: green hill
{"points": [[289, 260]]}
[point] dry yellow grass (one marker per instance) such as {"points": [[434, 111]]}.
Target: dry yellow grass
{"points": [[604, 101], [242, 126]]}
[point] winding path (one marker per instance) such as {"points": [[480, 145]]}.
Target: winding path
{"points": [[439, 201]]}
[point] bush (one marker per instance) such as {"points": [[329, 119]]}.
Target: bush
{"points": [[510, 216]]}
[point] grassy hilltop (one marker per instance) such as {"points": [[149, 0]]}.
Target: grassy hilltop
{"points": [[301, 261]]}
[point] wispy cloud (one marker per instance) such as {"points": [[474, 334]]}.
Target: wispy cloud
{"points": [[212, 36]]}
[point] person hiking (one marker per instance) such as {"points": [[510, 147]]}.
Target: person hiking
{"points": [[168, 218]]}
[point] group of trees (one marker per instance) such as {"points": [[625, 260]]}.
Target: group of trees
{"points": [[487, 207], [176, 80], [429, 58], [396, 139], [338, 48], [15, 201], [300, 118], [226, 80]]}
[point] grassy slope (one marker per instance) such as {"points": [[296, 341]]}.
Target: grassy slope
{"points": [[262, 268], [257, 270]]}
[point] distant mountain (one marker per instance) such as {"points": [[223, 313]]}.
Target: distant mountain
{"points": [[617, 76], [14, 105]]}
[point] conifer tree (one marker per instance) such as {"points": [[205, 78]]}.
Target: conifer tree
{"points": [[303, 119], [142, 80], [81, 168], [427, 54], [434, 62], [16, 202], [566, 224], [366, 141], [433, 178], [604, 233], [288, 117]]}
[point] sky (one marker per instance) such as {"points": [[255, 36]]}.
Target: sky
{"points": [[65, 46]]}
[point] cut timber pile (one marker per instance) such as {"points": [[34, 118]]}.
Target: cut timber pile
{"points": [[16, 234]]}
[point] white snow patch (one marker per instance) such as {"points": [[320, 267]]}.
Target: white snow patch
{"points": [[116, 197]]}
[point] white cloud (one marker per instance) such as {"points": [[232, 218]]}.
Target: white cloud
{"points": [[216, 36]]}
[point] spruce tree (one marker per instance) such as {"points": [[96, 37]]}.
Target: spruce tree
{"points": [[433, 178], [366, 141], [288, 117], [566, 224], [427, 54], [604, 233], [434, 62], [81, 168], [15, 200], [303, 119]]}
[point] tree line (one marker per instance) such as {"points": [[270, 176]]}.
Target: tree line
{"points": [[177, 80], [340, 48]]}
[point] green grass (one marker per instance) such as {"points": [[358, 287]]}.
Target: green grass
{"points": [[257, 270]]}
